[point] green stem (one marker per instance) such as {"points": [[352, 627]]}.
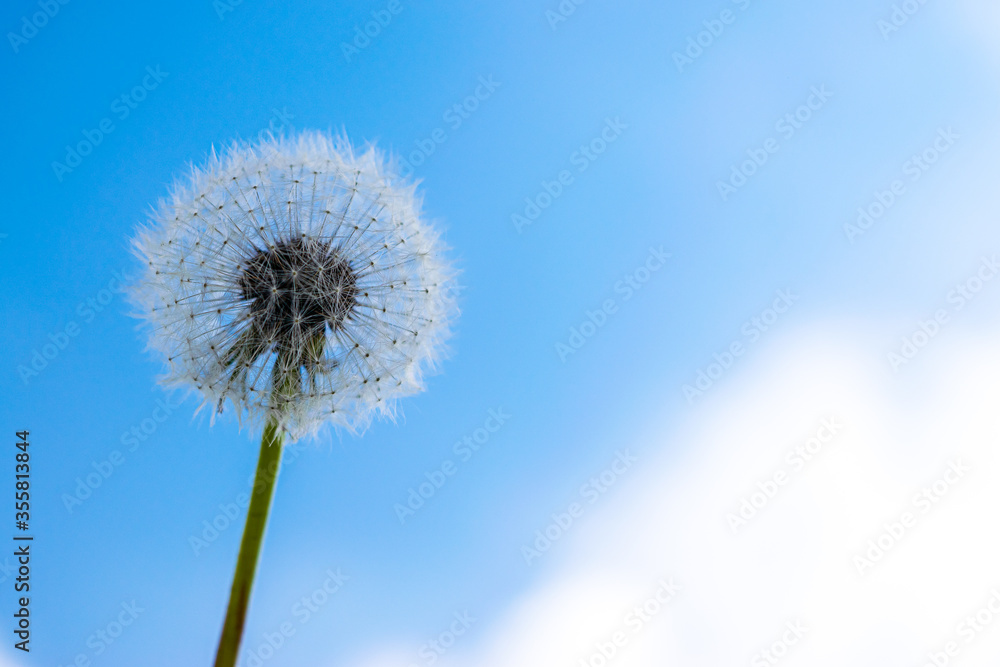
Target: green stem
{"points": [[253, 536]]}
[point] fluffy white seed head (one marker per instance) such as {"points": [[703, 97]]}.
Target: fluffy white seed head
{"points": [[295, 279]]}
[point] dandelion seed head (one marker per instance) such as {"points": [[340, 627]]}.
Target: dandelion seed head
{"points": [[295, 279]]}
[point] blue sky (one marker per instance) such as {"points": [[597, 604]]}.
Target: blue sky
{"points": [[196, 75]]}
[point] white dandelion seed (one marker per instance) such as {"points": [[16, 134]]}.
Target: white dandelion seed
{"points": [[296, 281]]}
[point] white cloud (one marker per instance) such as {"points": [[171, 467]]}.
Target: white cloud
{"points": [[793, 561]]}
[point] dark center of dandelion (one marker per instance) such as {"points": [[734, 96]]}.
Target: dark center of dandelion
{"points": [[297, 288]]}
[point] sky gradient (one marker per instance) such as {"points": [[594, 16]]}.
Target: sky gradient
{"points": [[633, 213]]}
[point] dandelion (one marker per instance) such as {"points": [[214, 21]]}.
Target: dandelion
{"points": [[295, 283]]}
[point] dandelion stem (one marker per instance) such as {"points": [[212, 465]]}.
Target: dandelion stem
{"points": [[253, 536]]}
